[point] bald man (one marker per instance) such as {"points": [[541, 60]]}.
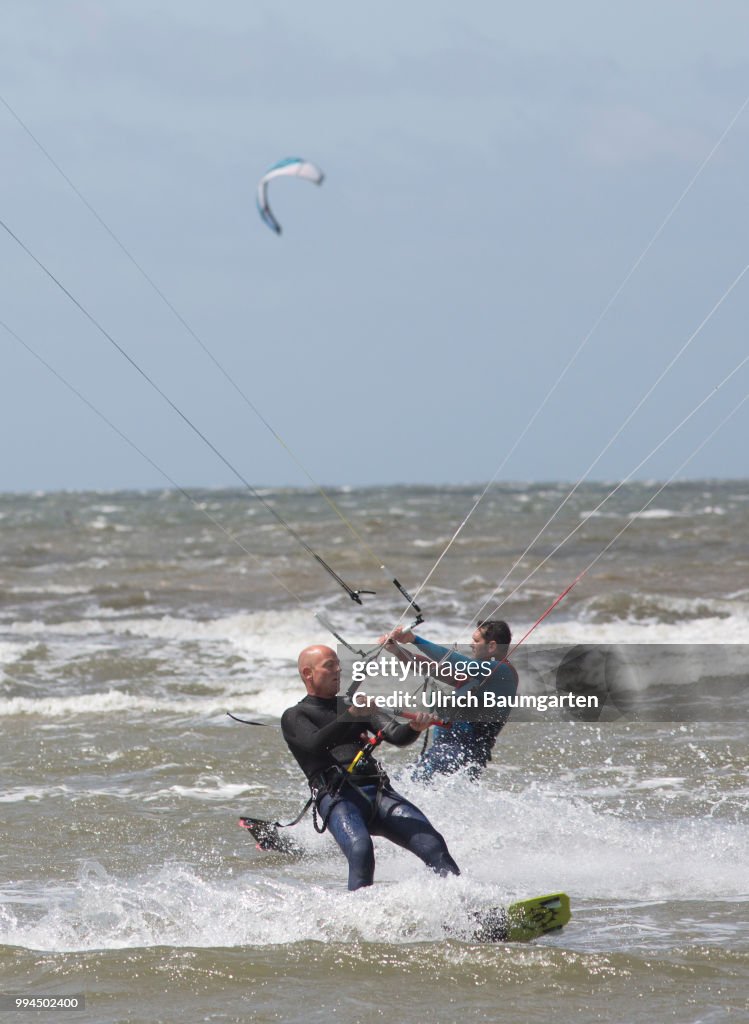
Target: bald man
{"points": [[325, 736]]}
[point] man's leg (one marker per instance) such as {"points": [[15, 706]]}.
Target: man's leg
{"points": [[347, 825], [437, 761], [405, 825]]}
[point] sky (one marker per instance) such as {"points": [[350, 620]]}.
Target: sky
{"points": [[494, 172]]}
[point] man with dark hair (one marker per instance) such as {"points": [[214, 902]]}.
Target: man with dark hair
{"points": [[494, 631], [353, 795], [465, 744]]}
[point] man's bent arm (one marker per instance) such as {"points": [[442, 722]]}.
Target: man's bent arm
{"points": [[298, 729]]}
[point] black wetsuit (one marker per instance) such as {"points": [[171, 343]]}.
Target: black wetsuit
{"points": [[325, 739]]}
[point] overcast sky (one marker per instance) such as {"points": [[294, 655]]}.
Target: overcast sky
{"points": [[493, 172]]}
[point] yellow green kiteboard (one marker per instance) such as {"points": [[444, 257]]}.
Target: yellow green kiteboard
{"points": [[525, 920]]}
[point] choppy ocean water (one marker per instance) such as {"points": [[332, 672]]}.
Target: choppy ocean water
{"points": [[128, 626]]}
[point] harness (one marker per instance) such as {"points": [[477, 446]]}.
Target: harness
{"points": [[363, 770]]}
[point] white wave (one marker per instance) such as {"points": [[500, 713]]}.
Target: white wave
{"points": [[655, 513], [77, 792], [51, 588], [268, 698], [661, 782], [653, 618], [595, 513], [100, 523], [111, 701], [552, 835], [267, 634], [663, 619], [209, 788], [177, 907], [11, 652], [708, 630], [23, 793], [508, 844]]}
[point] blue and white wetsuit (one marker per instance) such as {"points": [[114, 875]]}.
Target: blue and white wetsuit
{"points": [[466, 744]]}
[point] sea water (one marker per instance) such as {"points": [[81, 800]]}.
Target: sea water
{"points": [[129, 625]]}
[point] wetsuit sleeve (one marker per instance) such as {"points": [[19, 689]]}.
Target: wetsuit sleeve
{"points": [[300, 730], [501, 672], [439, 653], [401, 735]]}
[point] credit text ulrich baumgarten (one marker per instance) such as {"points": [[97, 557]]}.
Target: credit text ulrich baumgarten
{"points": [[436, 700]]}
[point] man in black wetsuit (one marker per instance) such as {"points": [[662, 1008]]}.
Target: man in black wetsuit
{"points": [[325, 736]]}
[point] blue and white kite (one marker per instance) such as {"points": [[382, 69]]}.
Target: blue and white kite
{"points": [[292, 166]]}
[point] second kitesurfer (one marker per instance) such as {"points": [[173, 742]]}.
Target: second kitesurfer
{"points": [[466, 745]]}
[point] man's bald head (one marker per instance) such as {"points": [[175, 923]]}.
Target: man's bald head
{"points": [[320, 670]]}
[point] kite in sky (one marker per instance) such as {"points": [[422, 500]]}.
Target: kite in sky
{"points": [[292, 166]]}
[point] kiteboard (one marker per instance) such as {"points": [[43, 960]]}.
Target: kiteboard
{"points": [[267, 837], [523, 921]]}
